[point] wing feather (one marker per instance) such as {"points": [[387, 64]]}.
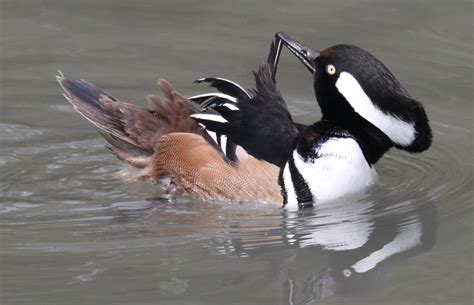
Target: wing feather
{"points": [[257, 120]]}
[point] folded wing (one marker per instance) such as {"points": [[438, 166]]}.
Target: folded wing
{"points": [[257, 119]]}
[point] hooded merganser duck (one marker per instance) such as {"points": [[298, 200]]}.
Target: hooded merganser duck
{"points": [[242, 145]]}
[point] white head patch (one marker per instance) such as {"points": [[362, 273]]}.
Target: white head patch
{"points": [[399, 131]]}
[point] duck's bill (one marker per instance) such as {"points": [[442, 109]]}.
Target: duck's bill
{"points": [[305, 55]]}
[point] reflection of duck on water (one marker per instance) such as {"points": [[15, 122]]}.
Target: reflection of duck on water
{"points": [[361, 240], [362, 243], [341, 249]]}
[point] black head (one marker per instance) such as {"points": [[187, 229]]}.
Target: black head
{"points": [[356, 91]]}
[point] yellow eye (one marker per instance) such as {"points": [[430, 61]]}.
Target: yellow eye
{"points": [[330, 69]]}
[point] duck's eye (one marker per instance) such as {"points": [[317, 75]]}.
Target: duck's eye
{"points": [[347, 273], [330, 69]]}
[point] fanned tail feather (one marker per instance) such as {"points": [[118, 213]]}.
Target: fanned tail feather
{"points": [[130, 130]]}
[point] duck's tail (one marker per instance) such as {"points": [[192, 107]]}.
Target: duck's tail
{"points": [[130, 130]]}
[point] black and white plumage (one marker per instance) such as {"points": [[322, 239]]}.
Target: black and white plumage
{"points": [[248, 137], [365, 112], [257, 120], [364, 242]]}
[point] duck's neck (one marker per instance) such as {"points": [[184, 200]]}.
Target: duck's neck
{"points": [[372, 141]]}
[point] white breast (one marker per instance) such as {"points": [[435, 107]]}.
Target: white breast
{"points": [[340, 169]]}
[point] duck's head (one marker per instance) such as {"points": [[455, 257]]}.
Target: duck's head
{"points": [[356, 91]]}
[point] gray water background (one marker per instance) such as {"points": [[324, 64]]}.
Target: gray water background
{"points": [[72, 233]]}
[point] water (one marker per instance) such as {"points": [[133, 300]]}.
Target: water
{"points": [[71, 233]]}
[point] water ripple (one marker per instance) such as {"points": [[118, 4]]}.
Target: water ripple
{"points": [[89, 198]]}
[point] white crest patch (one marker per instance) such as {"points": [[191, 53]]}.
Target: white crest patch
{"points": [[340, 169], [399, 131]]}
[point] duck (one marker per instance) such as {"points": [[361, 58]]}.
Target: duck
{"points": [[242, 146]]}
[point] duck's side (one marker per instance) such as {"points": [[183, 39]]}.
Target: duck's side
{"points": [[167, 146]]}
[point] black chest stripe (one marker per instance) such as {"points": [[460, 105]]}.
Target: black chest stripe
{"points": [[230, 150], [218, 137], [302, 190], [281, 182]]}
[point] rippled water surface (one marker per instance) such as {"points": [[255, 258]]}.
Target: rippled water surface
{"points": [[72, 233]]}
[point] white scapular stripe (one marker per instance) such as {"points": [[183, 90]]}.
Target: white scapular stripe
{"points": [[214, 95], [291, 201], [209, 117], [224, 143], [212, 134], [229, 81], [230, 106], [405, 240], [399, 131], [340, 169]]}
